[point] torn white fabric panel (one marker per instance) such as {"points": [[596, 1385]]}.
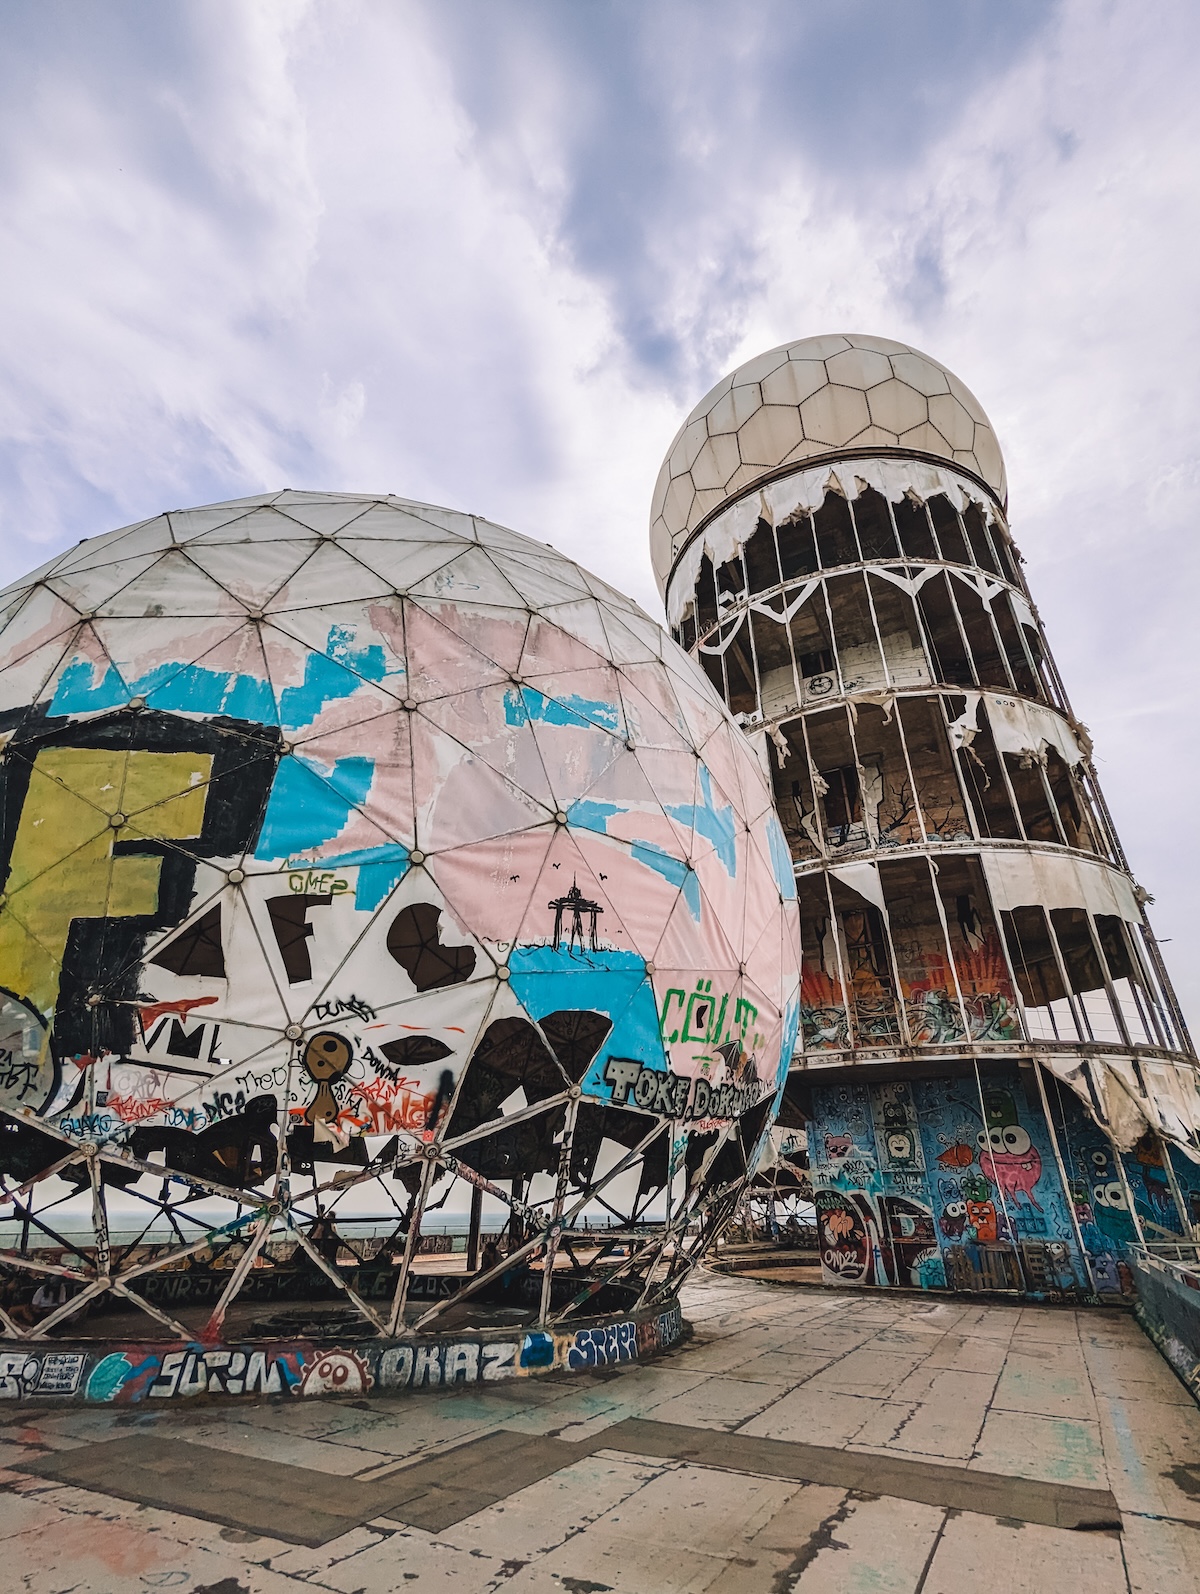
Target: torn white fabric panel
{"points": [[1025, 729], [758, 745], [725, 638], [1019, 879], [965, 728], [910, 578], [863, 878], [1023, 612], [1072, 1071], [803, 492], [1128, 1112], [871, 778], [796, 602], [984, 585], [1173, 1109]]}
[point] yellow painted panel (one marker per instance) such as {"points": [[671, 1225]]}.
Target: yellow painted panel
{"points": [[62, 867]]}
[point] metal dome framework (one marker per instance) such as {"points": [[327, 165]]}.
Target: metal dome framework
{"points": [[356, 845]]}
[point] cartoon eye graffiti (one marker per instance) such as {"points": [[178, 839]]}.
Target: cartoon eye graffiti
{"points": [[1111, 1195], [1016, 1140]]}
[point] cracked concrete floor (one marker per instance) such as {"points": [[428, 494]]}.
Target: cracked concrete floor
{"points": [[757, 1456]]}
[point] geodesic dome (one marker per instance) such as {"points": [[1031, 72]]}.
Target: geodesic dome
{"points": [[351, 843], [825, 397]]}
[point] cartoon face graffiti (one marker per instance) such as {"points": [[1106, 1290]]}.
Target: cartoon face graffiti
{"points": [[953, 1219], [900, 1146], [837, 1147], [981, 1216], [1011, 1161], [336, 1372]]}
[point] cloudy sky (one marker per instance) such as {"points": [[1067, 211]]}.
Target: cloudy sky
{"points": [[489, 252]]}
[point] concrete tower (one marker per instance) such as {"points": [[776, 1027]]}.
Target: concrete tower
{"points": [[997, 1082]]}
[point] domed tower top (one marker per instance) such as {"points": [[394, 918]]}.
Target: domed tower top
{"points": [[827, 398]]}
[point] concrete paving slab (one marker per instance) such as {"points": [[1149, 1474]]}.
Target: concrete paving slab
{"points": [[816, 1416], [681, 1532], [950, 1413], [1161, 1557], [404, 1560], [1050, 1324], [720, 1402], [1057, 1449], [1047, 1379], [881, 1545], [1137, 1370], [867, 1371], [991, 1557], [785, 1367], [1154, 1456], [968, 1353], [535, 1520]]}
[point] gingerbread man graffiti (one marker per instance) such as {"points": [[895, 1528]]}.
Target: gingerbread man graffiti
{"points": [[326, 1058]]}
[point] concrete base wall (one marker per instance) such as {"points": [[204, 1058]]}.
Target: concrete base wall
{"points": [[102, 1371], [1168, 1308]]}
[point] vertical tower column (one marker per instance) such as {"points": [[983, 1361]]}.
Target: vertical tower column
{"points": [[854, 594]]}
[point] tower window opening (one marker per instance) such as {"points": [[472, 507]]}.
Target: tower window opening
{"points": [[931, 760], [842, 802], [912, 526], [1029, 788], [854, 633], [706, 597], [1019, 657], [1074, 815], [762, 562], [1032, 952], [983, 780], [949, 530], [1005, 556], [990, 666], [868, 968], [817, 662], [739, 673], [797, 549], [836, 543], [1084, 974], [950, 661], [866, 943], [976, 529], [731, 580], [873, 522]]}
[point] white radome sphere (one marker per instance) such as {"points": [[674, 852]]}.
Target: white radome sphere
{"points": [[335, 800], [817, 398]]}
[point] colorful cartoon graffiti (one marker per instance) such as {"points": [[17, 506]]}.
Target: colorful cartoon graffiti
{"points": [[905, 1176]]}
